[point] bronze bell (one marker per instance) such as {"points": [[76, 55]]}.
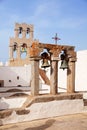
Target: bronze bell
{"points": [[20, 30], [64, 64], [15, 47], [28, 30], [45, 63], [64, 61]]}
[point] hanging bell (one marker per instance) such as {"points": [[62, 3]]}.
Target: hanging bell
{"points": [[15, 47], [64, 60], [64, 64], [45, 63], [28, 30], [44, 57], [20, 30]]}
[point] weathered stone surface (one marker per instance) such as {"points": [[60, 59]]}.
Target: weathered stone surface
{"points": [[85, 102], [44, 76], [53, 49], [19, 94], [48, 98], [22, 112], [5, 113], [14, 90]]}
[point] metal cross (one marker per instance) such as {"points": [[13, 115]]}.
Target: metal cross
{"points": [[56, 38]]}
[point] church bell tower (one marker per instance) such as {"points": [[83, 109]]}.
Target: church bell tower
{"points": [[20, 44]]}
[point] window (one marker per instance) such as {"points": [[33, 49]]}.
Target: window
{"points": [[17, 77], [9, 80]]}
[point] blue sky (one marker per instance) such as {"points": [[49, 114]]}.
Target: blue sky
{"points": [[67, 18]]}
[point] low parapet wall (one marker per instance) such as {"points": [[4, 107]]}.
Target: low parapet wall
{"points": [[44, 106], [12, 91]]}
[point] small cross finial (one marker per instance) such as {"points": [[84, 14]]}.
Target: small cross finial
{"points": [[56, 38]]}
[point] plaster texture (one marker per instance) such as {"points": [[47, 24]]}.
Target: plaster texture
{"points": [[11, 102], [15, 76], [47, 109]]}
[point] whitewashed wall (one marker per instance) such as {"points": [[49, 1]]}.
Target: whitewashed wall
{"points": [[81, 71], [10, 73], [62, 79]]}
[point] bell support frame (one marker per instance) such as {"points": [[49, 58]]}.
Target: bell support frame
{"points": [[54, 51]]}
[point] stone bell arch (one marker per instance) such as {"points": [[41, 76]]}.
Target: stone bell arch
{"points": [[20, 44], [54, 50]]}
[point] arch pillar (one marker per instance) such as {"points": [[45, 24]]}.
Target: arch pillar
{"points": [[71, 76], [24, 33], [18, 53], [11, 52], [35, 76], [54, 76]]}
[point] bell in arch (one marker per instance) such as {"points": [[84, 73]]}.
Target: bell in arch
{"points": [[64, 64], [45, 62], [64, 61], [15, 46], [20, 30]]}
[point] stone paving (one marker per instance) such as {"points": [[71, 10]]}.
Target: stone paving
{"points": [[69, 122]]}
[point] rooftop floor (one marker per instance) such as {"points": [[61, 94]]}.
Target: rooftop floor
{"points": [[69, 122]]}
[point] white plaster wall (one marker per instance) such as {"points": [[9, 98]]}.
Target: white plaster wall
{"points": [[41, 110], [67, 107], [10, 73], [62, 79], [11, 103], [81, 71]]}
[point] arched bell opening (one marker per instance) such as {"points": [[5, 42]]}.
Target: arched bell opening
{"points": [[45, 59], [28, 33], [15, 46], [23, 55], [64, 60], [20, 32], [44, 71], [23, 51], [62, 71]]}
